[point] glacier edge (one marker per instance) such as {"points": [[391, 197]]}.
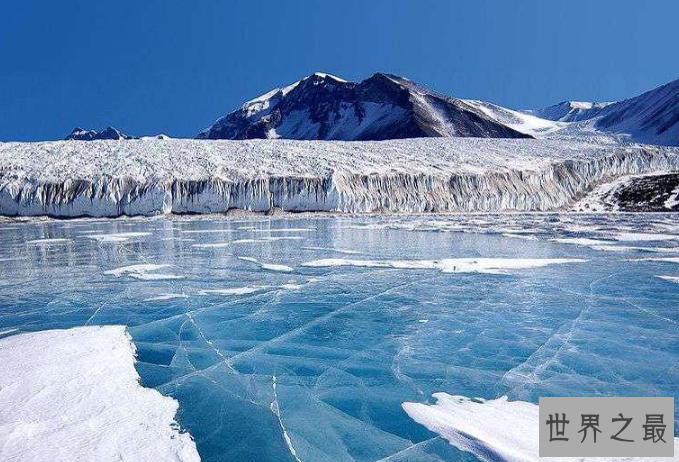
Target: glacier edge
{"points": [[542, 183]]}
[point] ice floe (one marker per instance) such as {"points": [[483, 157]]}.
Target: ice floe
{"points": [[493, 430], [74, 394]]}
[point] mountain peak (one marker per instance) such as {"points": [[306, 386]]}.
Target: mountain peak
{"points": [[324, 76], [383, 106], [570, 111], [109, 133]]}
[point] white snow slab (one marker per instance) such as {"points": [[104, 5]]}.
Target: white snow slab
{"points": [[494, 430], [74, 394]]}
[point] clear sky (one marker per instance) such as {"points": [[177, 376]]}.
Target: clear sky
{"points": [[174, 66]]}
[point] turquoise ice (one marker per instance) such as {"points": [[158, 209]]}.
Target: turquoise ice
{"points": [[298, 338]]}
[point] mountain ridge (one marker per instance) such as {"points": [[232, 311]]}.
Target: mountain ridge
{"points": [[109, 133], [384, 106]]}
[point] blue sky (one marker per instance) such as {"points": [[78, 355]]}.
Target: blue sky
{"points": [[151, 66]]}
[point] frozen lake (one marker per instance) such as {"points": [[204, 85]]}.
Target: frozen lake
{"points": [[299, 338]]}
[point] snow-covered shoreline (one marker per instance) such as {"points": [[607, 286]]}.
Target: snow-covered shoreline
{"points": [[153, 177], [75, 395]]}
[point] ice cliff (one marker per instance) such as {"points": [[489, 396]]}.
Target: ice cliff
{"points": [[155, 176]]}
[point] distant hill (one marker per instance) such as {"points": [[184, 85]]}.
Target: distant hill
{"points": [[109, 133]]}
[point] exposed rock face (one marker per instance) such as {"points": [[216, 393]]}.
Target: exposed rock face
{"points": [[384, 106], [644, 193]]}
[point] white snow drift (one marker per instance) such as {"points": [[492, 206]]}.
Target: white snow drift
{"points": [[495, 430], [149, 177], [74, 394]]}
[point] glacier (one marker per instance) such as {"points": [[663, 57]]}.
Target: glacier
{"points": [[163, 176]]}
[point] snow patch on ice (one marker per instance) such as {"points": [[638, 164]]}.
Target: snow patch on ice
{"points": [[116, 237], [75, 395], [233, 291], [492, 430], [332, 249], [144, 271], [449, 265], [267, 239], [644, 237], [163, 297], [48, 241], [268, 266], [582, 241], [213, 245]]}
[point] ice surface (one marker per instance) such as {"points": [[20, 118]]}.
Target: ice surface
{"points": [[152, 177], [74, 394], [348, 345], [495, 430]]}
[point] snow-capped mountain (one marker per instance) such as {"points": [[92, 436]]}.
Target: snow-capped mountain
{"points": [[652, 117], [383, 106], [569, 111], [109, 133]]}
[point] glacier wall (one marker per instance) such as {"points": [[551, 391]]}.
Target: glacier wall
{"points": [[552, 186]]}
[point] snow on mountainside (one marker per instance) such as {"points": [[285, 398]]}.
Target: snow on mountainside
{"points": [[569, 111], [652, 117], [384, 106], [524, 123], [150, 176], [109, 133]]}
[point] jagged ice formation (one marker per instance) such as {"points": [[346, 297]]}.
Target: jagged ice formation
{"points": [[152, 176]]}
